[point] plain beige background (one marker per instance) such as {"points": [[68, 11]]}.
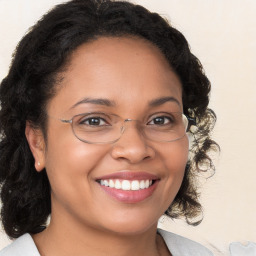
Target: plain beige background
{"points": [[222, 33]]}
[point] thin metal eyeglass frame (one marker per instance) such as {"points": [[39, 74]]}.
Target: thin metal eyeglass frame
{"points": [[190, 121]]}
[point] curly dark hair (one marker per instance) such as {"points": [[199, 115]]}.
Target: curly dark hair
{"points": [[41, 55]]}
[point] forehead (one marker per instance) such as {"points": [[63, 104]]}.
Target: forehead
{"points": [[123, 69]]}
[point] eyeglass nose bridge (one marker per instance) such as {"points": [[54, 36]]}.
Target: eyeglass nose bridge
{"points": [[126, 121]]}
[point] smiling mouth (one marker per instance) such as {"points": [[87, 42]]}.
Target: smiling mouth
{"points": [[126, 185], [129, 186]]}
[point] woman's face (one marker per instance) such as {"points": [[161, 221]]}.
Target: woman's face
{"points": [[127, 75]]}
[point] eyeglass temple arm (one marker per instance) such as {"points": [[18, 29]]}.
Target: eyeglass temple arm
{"points": [[191, 122], [66, 121]]}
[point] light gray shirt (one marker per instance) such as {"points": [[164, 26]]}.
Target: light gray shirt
{"points": [[177, 245]]}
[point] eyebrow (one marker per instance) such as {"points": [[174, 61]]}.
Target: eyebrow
{"points": [[162, 100], [110, 103], [96, 101]]}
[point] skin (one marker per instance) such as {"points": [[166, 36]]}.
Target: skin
{"points": [[131, 72]]}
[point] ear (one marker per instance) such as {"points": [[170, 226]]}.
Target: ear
{"points": [[36, 143]]}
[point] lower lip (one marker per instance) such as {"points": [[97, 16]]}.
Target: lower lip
{"points": [[130, 196]]}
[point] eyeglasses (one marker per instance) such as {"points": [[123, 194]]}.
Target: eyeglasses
{"points": [[103, 128]]}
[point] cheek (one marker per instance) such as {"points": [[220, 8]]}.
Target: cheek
{"points": [[175, 156], [65, 151], [70, 162]]}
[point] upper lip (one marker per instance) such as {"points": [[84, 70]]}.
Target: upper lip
{"points": [[129, 175]]}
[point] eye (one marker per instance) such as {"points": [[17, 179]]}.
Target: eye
{"points": [[93, 121], [161, 120]]}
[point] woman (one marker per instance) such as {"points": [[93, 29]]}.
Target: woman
{"points": [[95, 116]]}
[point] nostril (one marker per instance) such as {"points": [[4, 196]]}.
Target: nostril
{"points": [[147, 157]]}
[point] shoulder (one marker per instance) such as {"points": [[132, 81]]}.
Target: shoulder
{"points": [[179, 245], [23, 246]]}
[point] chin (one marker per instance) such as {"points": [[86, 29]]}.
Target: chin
{"points": [[129, 229], [132, 224]]}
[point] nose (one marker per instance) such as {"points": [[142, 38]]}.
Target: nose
{"points": [[132, 146]]}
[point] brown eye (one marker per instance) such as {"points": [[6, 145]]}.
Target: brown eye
{"points": [[93, 121], [160, 120]]}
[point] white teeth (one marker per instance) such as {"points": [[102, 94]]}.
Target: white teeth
{"points": [[118, 184], [127, 184], [111, 184], [142, 184], [135, 185]]}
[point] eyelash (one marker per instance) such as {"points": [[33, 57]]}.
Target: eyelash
{"points": [[162, 117], [83, 121]]}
